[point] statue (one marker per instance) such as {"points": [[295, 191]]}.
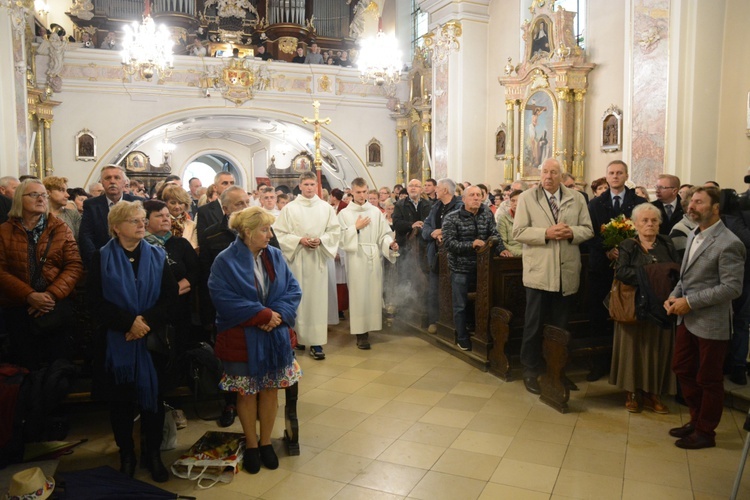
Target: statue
{"points": [[357, 27], [82, 9], [54, 47]]}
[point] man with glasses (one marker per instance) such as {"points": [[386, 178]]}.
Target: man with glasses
{"points": [[668, 202], [94, 232]]}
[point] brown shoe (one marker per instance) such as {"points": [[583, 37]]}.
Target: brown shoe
{"points": [[695, 441], [653, 402], [681, 432], [631, 403]]}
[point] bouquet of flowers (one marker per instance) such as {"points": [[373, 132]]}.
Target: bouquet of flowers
{"points": [[616, 231]]}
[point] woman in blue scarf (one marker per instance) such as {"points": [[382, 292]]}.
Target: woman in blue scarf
{"points": [[256, 298], [132, 294]]}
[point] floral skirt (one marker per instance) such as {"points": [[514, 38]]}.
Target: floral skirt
{"points": [[245, 385]]}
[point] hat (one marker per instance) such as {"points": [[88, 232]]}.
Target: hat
{"points": [[30, 484]]}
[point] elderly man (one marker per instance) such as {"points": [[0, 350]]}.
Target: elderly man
{"points": [[211, 213], [551, 221], [96, 189], [465, 231], [432, 232], [409, 215], [94, 231], [366, 236], [710, 278], [8, 187], [194, 184], [309, 234], [668, 202]]}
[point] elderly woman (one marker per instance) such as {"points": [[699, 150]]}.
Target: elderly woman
{"points": [[182, 260], [178, 201], [256, 298], [132, 293], [57, 189], [389, 208], [505, 225], [642, 351], [39, 268]]}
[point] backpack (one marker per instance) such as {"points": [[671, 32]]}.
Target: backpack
{"points": [[47, 389], [13, 400]]}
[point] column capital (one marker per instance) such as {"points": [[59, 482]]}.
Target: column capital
{"points": [[579, 93], [441, 11]]}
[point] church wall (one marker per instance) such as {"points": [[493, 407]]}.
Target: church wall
{"points": [[8, 129]]}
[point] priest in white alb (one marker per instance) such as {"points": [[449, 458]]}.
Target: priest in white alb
{"points": [[309, 233], [366, 237]]}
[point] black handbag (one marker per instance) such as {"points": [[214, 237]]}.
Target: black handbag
{"points": [[62, 313], [162, 340]]}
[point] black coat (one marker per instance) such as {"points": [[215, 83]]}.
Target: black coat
{"points": [[94, 231], [667, 223], [405, 215], [601, 212], [5, 204], [208, 215]]}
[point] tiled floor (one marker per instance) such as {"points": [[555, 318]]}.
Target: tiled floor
{"points": [[407, 420]]}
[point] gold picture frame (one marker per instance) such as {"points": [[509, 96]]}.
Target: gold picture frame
{"points": [[538, 131], [611, 130], [85, 145], [303, 162]]}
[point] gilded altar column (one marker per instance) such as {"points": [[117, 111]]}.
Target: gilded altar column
{"points": [[39, 146], [48, 170], [578, 153], [400, 133], [426, 121], [560, 151], [510, 114]]}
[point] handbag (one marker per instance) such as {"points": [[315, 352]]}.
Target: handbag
{"points": [[63, 310], [214, 458], [622, 302], [162, 340]]}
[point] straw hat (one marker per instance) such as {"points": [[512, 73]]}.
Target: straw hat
{"points": [[30, 484]]}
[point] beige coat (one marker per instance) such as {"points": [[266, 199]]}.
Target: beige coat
{"points": [[548, 264]]}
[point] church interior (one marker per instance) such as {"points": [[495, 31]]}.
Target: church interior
{"points": [[480, 91]]}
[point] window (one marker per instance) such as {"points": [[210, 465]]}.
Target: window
{"points": [[420, 23], [579, 23]]}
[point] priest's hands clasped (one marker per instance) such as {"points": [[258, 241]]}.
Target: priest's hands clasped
{"points": [[312, 243]]}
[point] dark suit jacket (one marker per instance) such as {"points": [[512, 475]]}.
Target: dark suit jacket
{"points": [[208, 215], [94, 231], [404, 215], [5, 204], [667, 223], [601, 212]]}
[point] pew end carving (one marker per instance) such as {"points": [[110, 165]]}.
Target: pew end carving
{"points": [[499, 332], [555, 352]]}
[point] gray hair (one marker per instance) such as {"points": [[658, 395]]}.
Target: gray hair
{"points": [[449, 183], [225, 194], [645, 207], [5, 181], [16, 209]]}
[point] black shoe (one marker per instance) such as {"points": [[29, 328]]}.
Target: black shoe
{"points": [[569, 384], [227, 416], [127, 462], [681, 432], [300, 347], [464, 344], [363, 341], [341, 315], [738, 375], [695, 441], [268, 457], [155, 466], [251, 462], [532, 385], [316, 352]]}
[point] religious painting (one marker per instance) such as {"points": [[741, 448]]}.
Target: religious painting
{"points": [[540, 39], [374, 153], [612, 130], [500, 136], [136, 162], [85, 146], [539, 114], [303, 162], [262, 181]]}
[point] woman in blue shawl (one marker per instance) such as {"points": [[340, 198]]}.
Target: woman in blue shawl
{"points": [[256, 298], [132, 293]]}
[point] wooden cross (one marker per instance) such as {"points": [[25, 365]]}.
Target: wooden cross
{"points": [[316, 122]]}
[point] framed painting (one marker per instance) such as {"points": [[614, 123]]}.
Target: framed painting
{"points": [[374, 153], [303, 162], [541, 39], [538, 120], [136, 161], [612, 130], [500, 137], [85, 145]]}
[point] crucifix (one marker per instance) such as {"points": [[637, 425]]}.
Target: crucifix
{"points": [[316, 122]]}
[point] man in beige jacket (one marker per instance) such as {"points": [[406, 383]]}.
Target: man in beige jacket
{"points": [[551, 221]]}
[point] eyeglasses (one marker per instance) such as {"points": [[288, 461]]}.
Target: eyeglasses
{"points": [[137, 222], [663, 188], [35, 196]]}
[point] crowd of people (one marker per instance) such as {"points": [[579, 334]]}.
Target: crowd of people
{"points": [[259, 274]]}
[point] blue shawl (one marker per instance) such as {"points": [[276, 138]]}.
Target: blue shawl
{"points": [[129, 361], [235, 295]]}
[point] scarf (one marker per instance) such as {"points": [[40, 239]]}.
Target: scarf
{"points": [[156, 240], [178, 225], [234, 291], [129, 361]]}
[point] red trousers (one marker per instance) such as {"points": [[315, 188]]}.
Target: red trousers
{"points": [[698, 364]]}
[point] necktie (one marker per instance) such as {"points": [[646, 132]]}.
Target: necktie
{"points": [[617, 204], [668, 209], [553, 206]]}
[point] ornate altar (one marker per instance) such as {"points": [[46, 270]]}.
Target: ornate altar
{"points": [[138, 166], [545, 96]]}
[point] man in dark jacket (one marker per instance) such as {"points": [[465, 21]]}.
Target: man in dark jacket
{"points": [[409, 215], [618, 200], [211, 213], [464, 232], [668, 202], [432, 232]]}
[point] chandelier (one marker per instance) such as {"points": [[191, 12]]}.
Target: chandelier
{"points": [[443, 41], [147, 48], [379, 60]]}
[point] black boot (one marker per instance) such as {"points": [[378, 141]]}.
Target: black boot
{"points": [[127, 462], [159, 473]]}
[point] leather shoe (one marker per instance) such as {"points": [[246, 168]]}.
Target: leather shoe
{"points": [[532, 385], [738, 375], [695, 441], [127, 462], [268, 457], [155, 466], [681, 432], [227, 416]]}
